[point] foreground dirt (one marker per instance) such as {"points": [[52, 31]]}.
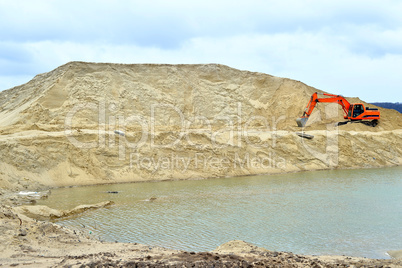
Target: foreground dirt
{"points": [[25, 242]]}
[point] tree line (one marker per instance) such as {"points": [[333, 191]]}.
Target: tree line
{"points": [[390, 105]]}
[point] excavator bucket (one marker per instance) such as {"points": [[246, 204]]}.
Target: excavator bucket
{"points": [[301, 122]]}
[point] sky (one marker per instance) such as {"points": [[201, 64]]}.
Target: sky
{"points": [[347, 47]]}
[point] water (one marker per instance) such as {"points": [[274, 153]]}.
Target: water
{"points": [[338, 212]]}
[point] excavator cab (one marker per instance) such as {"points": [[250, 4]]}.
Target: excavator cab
{"points": [[355, 110]]}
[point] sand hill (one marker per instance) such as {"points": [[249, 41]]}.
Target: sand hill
{"points": [[89, 123]]}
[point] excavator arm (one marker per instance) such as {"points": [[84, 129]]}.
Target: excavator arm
{"points": [[301, 122]]}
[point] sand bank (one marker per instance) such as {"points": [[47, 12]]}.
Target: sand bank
{"points": [[87, 123]]}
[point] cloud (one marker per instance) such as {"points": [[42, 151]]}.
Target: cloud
{"points": [[351, 48], [169, 23]]}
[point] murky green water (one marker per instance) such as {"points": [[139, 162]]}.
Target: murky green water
{"points": [[350, 212]]}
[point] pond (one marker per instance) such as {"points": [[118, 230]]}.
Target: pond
{"points": [[334, 212]]}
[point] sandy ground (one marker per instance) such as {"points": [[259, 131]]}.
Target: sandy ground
{"points": [[87, 123]]}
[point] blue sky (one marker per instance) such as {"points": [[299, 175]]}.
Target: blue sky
{"points": [[353, 47]]}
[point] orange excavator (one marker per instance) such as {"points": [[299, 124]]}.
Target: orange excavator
{"points": [[354, 112]]}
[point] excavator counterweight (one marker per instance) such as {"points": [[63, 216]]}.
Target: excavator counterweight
{"points": [[353, 112]]}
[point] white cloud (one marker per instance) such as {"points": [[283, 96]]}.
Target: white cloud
{"points": [[350, 48]]}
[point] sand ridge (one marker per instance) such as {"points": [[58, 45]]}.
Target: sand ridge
{"points": [[178, 122]]}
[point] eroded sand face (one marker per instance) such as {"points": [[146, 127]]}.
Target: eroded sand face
{"points": [[87, 123]]}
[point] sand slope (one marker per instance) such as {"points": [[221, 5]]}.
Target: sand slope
{"points": [[66, 127]]}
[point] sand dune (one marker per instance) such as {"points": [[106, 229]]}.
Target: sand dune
{"points": [[88, 123]]}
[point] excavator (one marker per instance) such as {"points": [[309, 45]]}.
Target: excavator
{"points": [[354, 112]]}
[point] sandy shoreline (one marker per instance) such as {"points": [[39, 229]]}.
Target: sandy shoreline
{"points": [[31, 243], [35, 243]]}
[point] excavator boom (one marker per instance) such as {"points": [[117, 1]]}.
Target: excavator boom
{"points": [[301, 122], [352, 112]]}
